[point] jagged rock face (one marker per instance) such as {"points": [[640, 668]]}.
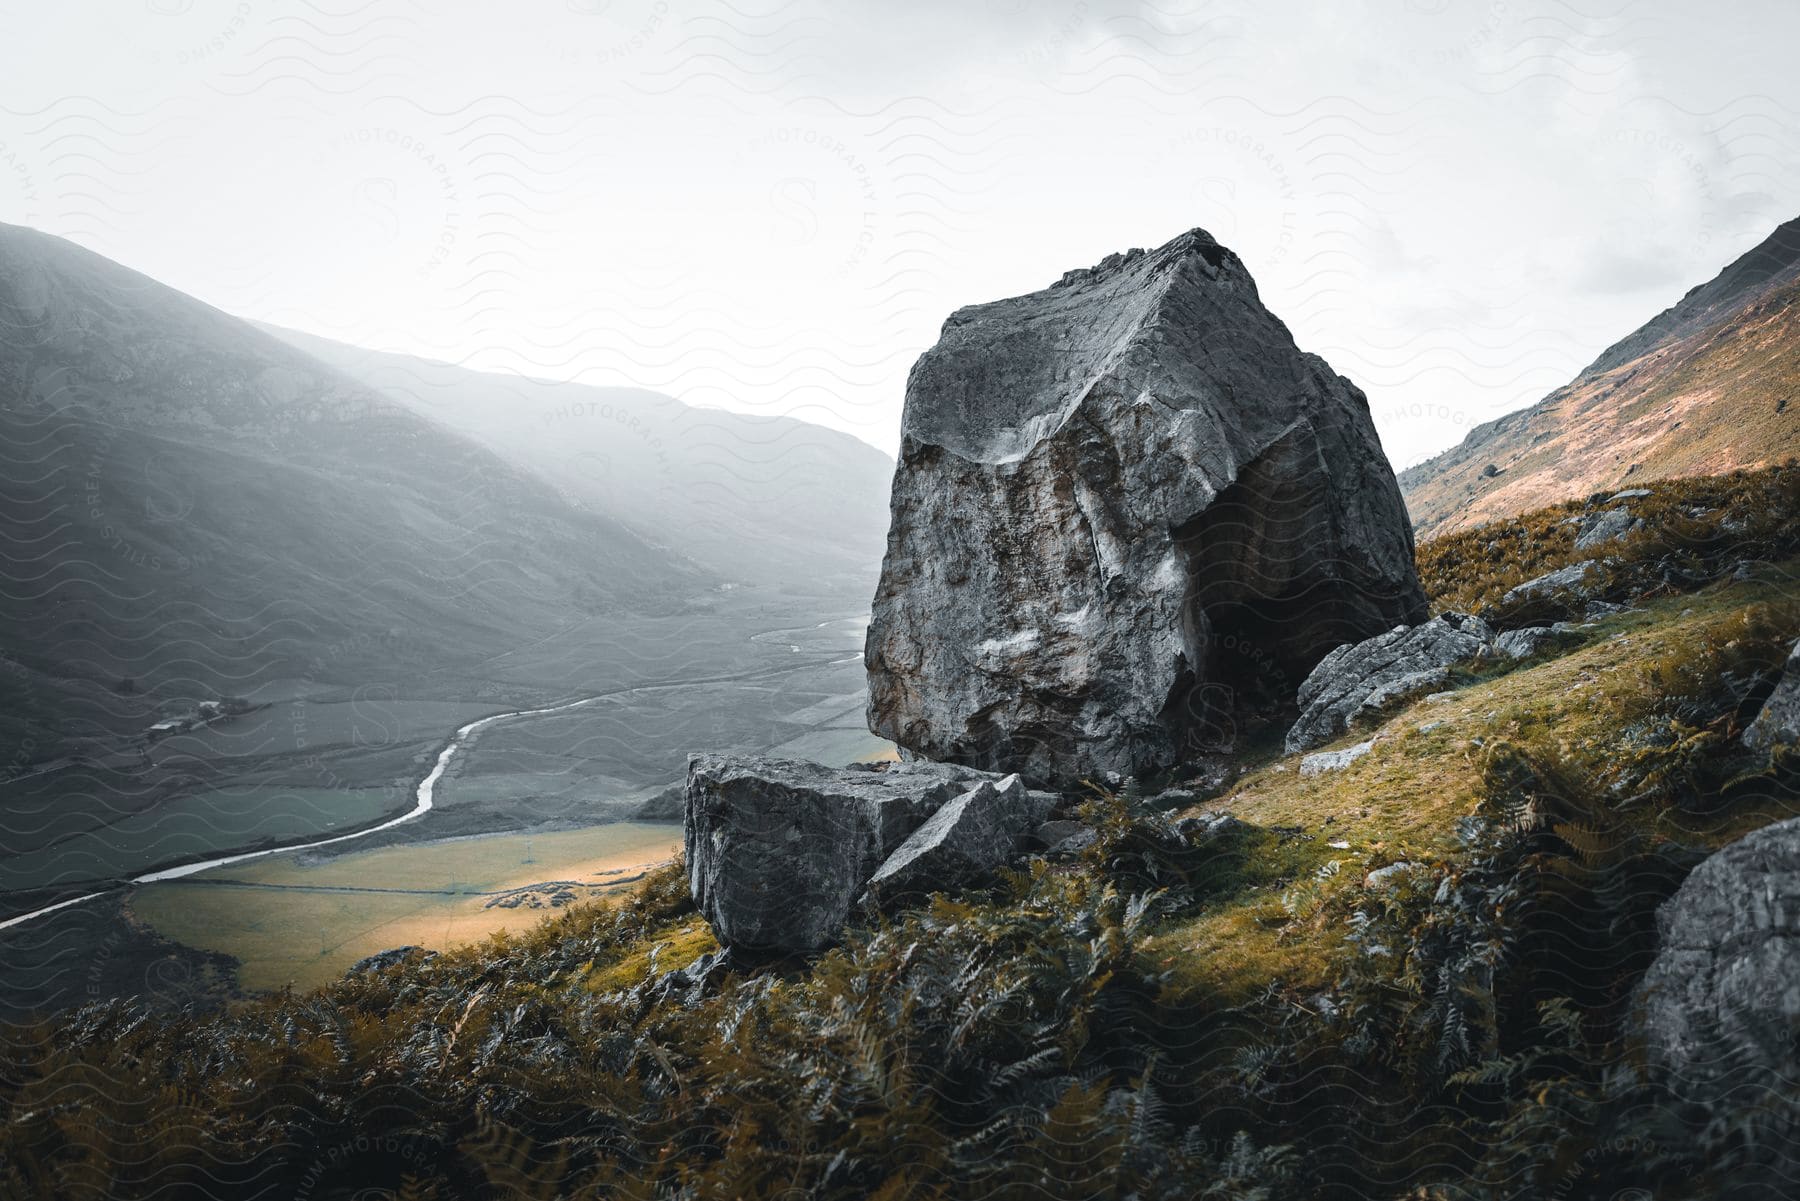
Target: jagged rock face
{"points": [[1779, 721], [1720, 1006], [779, 851], [1363, 679], [1124, 507], [969, 835]]}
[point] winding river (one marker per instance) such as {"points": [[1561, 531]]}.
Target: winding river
{"points": [[422, 792]]}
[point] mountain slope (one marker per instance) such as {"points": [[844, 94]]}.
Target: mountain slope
{"points": [[759, 499], [1709, 385], [188, 506]]}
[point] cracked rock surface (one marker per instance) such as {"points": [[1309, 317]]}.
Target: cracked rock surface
{"points": [[1126, 507], [1720, 1006], [1363, 679], [780, 850]]}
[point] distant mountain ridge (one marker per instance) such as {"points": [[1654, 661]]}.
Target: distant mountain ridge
{"points": [[1711, 384], [760, 499], [189, 506]]}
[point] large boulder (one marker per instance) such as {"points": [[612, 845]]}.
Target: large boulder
{"points": [[1125, 507], [780, 850], [1720, 1006], [1779, 721], [1363, 679]]}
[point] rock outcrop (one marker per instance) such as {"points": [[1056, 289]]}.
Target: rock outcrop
{"points": [[1573, 579], [1362, 679], [971, 834], [779, 851], [1608, 525], [1124, 507], [1779, 721], [1720, 1006], [1532, 640]]}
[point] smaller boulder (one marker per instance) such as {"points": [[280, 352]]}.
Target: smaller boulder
{"points": [[1203, 827], [1779, 721], [1610, 525], [1532, 640], [1065, 837], [380, 961], [779, 850], [1362, 679], [1170, 799], [1320, 762], [1720, 1005], [1572, 578], [967, 838], [1390, 876]]}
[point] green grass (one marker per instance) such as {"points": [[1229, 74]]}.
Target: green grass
{"points": [[292, 921], [219, 821]]}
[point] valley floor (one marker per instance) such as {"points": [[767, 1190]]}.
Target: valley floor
{"points": [[1412, 977], [316, 764]]}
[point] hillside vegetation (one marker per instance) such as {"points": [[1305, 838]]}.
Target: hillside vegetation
{"points": [[1708, 386], [1410, 978]]}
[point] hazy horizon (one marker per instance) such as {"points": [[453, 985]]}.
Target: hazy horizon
{"points": [[772, 209]]}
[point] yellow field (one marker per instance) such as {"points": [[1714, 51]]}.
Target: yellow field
{"points": [[288, 922]]}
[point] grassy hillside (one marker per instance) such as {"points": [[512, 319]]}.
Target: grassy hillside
{"points": [[192, 508], [1406, 979], [1709, 386], [755, 498]]}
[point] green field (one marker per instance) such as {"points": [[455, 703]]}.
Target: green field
{"points": [[221, 820], [301, 920]]}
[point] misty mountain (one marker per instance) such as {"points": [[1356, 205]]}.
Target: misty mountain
{"points": [[190, 506], [758, 499], [1709, 385]]}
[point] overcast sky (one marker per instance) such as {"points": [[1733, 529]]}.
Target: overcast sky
{"points": [[772, 206]]}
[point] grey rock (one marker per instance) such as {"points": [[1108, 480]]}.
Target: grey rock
{"points": [[1720, 1005], [1320, 762], [1364, 678], [1779, 720], [1209, 776], [1523, 644], [1204, 826], [393, 956], [779, 850], [1749, 571], [1065, 835], [1392, 874], [1172, 798], [971, 835], [1572, 578], [1630, 494], [1610, 525], [666, 806], [688, 985], [1123, 506]]}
